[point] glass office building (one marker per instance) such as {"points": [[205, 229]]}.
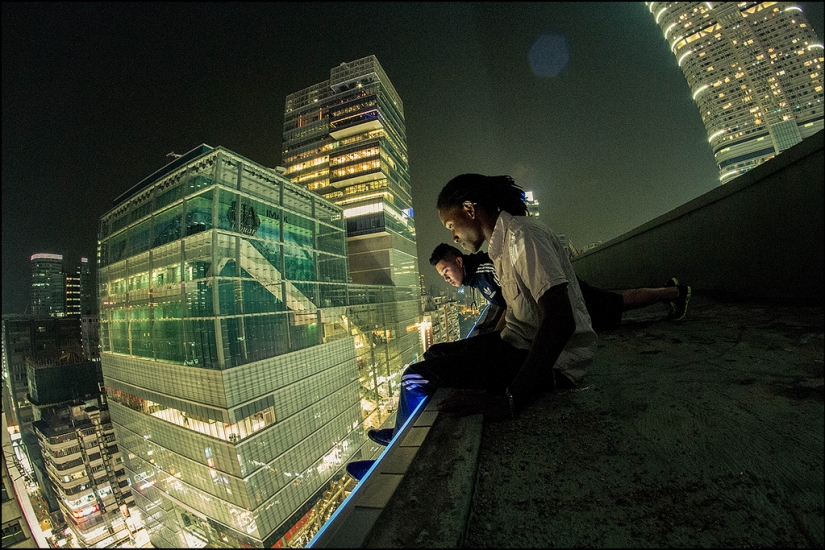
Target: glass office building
{"points": [[755, 72], [230, 346]]}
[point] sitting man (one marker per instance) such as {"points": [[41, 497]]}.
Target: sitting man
{"points": [[547, 342], [605, 307]]}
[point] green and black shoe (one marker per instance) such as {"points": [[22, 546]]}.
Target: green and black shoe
{"points": [[678, 307]]}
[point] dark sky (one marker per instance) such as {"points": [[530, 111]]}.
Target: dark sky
{"points": [[602, 127]]}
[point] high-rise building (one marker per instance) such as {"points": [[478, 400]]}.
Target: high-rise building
{"points": [[79, 464], [532, 204], [39, 339], [90, 336], [16, 531], [234, 349], [73, 292], [88, 300], [48, 286], [755, 72], [61, 290], [31, 348], [345, 139]]}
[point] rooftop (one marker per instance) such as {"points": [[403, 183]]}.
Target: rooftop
{"points": [[702, 432]]}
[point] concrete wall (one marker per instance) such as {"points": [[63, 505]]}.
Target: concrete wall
{"points": [[760, 236]]}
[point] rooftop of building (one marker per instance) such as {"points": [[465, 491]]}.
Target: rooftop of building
{"points": [[70, 416], [707, 431]]}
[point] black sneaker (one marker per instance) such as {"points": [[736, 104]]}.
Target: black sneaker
{"points": [[679, 306], [382, 437], [359, 468]]}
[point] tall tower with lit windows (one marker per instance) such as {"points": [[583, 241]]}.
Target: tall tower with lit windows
{"points": [[48, 288], [532, 204], [345, 138], [755, 72]]}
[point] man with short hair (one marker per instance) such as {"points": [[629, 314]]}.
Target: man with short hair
{"points": [[605, 307]]}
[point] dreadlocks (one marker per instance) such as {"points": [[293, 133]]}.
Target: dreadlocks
{"points": [[493, 193]]}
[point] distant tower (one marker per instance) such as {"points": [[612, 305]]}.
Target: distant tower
{"points": [[755, 72], [48, 286], [73, 308], [532, 204], [88, 295]]}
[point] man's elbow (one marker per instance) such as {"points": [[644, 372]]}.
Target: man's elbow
{"points": [[556, 306], [568, 326]]}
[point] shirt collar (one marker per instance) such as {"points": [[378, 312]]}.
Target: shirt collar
{"points": [[496, 245]]}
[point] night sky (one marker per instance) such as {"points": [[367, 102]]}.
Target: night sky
{"points": [[581, 103]]}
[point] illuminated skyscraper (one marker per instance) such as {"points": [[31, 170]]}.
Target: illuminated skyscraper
{"points": [[755, 72], [73, 292], [232, 349], [58, 289], [532, 204], [48, 287], [345, 139]]}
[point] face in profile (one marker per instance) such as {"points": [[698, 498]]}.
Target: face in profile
{"points": [[464, 225], [452, 269]]}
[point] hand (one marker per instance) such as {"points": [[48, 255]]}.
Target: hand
{"points": [[467, 402]]}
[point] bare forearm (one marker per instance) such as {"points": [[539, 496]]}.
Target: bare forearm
{"points": [[502, 322], [556, 326]]}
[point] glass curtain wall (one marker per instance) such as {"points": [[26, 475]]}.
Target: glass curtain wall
{"points": [[232, 348]]}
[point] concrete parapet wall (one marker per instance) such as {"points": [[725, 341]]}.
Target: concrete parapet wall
{"points": [[759, 236]]}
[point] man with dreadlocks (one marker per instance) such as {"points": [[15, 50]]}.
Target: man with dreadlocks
{"points": [[547, 342]]}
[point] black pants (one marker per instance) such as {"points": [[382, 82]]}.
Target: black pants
{"points": [[604, 307], [484, 362]]}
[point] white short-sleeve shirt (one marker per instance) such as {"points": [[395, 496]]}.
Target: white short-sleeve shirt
{"points": [[529, 260]]}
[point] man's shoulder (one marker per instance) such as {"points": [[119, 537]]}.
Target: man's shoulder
{"points": [[528, 224], [472, 262], [521, 231], [477, 258]]}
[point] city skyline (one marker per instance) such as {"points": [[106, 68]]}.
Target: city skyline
{"points": [[96, 96]]}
